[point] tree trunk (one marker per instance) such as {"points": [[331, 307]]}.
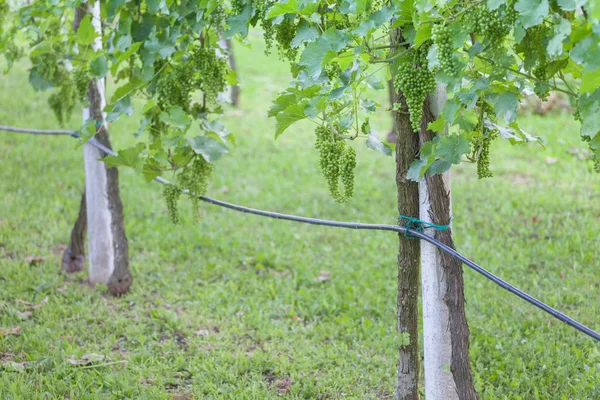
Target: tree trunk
{"points": [[235, 89], [232, 93], [407, 147], [445, 329], [73, 259], [108, 247]]}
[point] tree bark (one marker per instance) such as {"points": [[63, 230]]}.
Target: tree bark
{"points": [[120, 278], [232, 93], [107, 242], [235, 89], [73, 259], [445, 328], [407, 147]]}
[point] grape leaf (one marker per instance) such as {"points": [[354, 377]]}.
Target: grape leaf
{"points": [[129, 157], [570, 5], [280, 8], [86, 34], [532, 12], [374, 143], [353, 6], [305, 33], [506, 105], [451, 148], [99, 66], [590, 81], [494, 4], [561, 31], [239, 23], [318, 53], [589, 108], [438, 167], [287, 117], [211, 149]]}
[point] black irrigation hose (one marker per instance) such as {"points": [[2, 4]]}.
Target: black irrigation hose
{"points": [[376, 227]]}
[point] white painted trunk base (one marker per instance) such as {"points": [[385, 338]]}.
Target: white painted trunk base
{"points": [[439, 383], [100, 239]]}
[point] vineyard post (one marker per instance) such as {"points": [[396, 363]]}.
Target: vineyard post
{"points": [[100, 238], [445, 330]]}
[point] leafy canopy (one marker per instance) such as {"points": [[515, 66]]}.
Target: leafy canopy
{"points": [[488, 54]]}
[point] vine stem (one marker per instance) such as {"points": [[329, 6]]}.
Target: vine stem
{"points": [[528, 76]]}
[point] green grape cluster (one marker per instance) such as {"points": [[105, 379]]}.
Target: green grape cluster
{"points": [[442, 37], [210, 71], [62, 102], [347, 166], [174, 87], [236, 7], [195, 177], [285, 33], [540, 72], [492, 25], [536, 60], [81, 79], [415, 81], [49, 67], [261, 15], [337, 162], [333, 70], [482, 145], [172, 193]]}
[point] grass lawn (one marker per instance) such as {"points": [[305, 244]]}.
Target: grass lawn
{"points": [[242, 307]]}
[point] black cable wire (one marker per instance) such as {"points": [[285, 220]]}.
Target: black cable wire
{"points": [[410, 232], [39, 131], [376, 227]]}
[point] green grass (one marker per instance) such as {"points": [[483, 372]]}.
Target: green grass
{"points": [[231, 308]]}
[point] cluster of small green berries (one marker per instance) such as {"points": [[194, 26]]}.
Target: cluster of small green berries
{"points": [[174, 87], [49, 68], [269, 30], [482, 146], [442, 37], [172, 193], [63, 101], [540, 72], [333, 70], [337, 162], [81, 79], [285, 33], [195, 177], [210, 70], [492, 25], [415, 81]]}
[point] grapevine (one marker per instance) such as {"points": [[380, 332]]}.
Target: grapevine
{"points": [[337, 162], [210, 71], [286, 31], [174, 88], [442, 37], [195, 177], [171, 193], [63, 101], [81, 79], [482, 145], [415, 81], [492, 25]]}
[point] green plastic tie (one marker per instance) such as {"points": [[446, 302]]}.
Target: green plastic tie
{"points": [[417, 225]]}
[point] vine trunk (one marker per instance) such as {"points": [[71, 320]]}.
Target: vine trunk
{"points": [[407, 147]]}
